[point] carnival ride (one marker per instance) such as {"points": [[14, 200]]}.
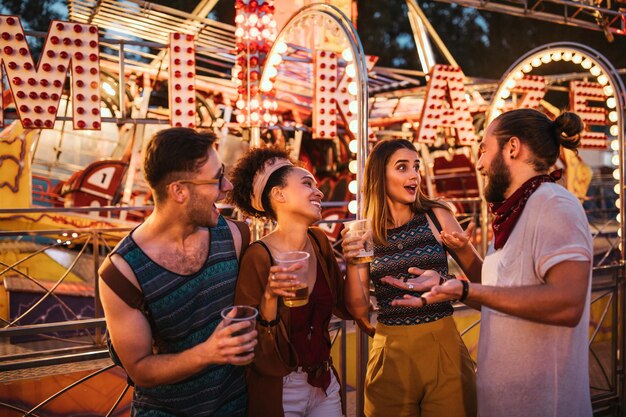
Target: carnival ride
{"points": [[308, 86]]}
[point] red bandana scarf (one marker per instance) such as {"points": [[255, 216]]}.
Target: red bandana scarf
{"points": [[508, 212]]}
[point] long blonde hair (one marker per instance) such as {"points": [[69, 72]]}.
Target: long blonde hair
{"points": [[375, 188]]}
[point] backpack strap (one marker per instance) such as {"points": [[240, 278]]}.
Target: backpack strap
{"points": [[267, 250], [317, 242], [121, 286], [437, 224], [244, 231]]}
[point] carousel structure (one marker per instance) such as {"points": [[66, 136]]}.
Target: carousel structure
{"points": [[74, 124]]}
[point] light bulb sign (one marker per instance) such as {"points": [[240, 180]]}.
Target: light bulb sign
{"points": [[37, 89]]}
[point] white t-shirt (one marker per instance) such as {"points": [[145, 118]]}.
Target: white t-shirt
{"points": [[526, 368]]}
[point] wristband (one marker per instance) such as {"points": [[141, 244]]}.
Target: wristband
{"points": [[271, 323], [465, 290]]}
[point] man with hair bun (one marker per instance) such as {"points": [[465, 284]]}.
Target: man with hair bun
{"points": [[536, 277]]}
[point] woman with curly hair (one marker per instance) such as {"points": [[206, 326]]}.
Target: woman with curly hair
{"points": [[292, 373]]}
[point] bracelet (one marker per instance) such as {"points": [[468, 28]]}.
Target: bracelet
{"points": [[465, 290], [446, 277], [271, 323]]}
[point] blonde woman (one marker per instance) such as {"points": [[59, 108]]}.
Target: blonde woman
{"points": [[418, 365]]}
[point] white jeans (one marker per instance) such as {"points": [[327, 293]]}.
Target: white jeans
{"points": [[303, 400]]}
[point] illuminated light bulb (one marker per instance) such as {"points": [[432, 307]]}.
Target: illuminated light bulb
{"points": [[608, 90], [265, 33], [241, 118], [353, 107], [281, 47], [557, 56], [586, 64], [616, 189], [567, 56], [266, 19], [496, 113], [274, 119], [108, 89], [527, 68], [577, 59], [254, 104], [611, 103], [254, 32], [619, 220], [347, 55], [352, 88], [254, 116], [619, 233], [253, 19], [505, 93], [240, 104], [350, 70], [499, 103], [615, 144], [353, 187], [353, 167], [272, 23], [267, 104], [518, 75], [603, 80], [535, 62], [546, 59], [267, 117], [271, 71], [354, 126], [275, 60], [615, 160], [510, 83], [239, 18], [616, 174], [595, 70], [239, 32], [352, 207], [614, 130], [613, 116], [353, 145], [266, 85]]}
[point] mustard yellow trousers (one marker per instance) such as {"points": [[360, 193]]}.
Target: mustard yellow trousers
{"points": [[420, 370]]}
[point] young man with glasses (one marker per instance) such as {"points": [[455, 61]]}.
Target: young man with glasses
{"points": [[184, 260]]}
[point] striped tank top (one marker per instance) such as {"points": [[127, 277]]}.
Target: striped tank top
{"points": [[410, 245], [186, 311]]}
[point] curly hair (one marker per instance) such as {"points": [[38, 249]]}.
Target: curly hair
{"points": [[243, 175]]}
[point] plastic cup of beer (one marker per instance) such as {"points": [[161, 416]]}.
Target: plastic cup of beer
{"points": [[241, 314], [363, 229], [297, 263]]}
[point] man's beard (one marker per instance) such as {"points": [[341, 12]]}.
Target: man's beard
{"points": [[200, 214], [498, 180]]}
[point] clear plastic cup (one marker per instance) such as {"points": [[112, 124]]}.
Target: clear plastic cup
{"points": [[297, 263], [242, 314], [363, 229]]}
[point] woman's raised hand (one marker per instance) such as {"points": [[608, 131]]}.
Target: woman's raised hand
{"points": [[351, 245], [458, 240]]}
